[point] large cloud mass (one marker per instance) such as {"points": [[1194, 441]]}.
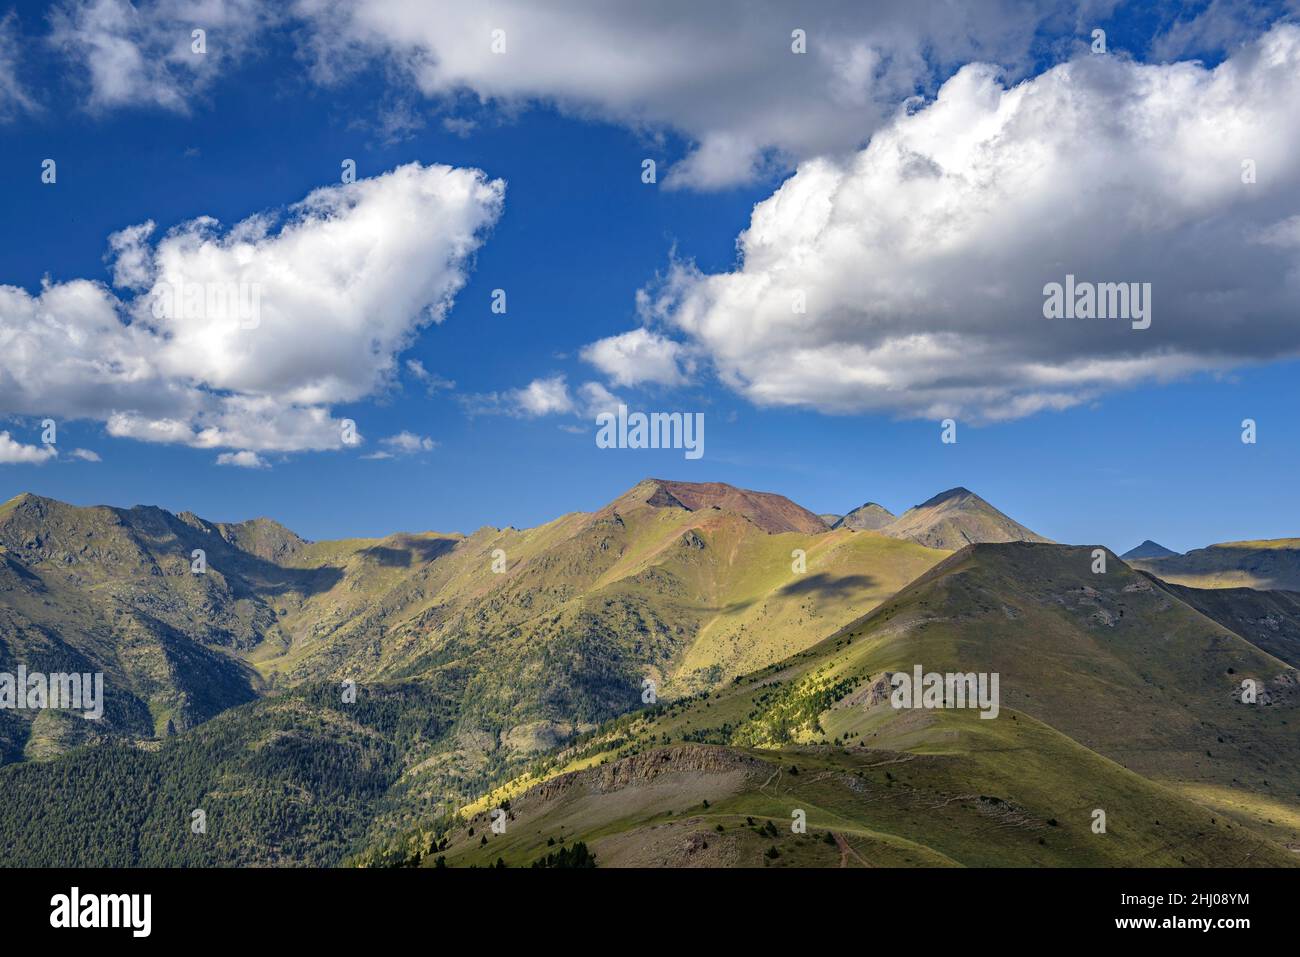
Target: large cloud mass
{"points": [[922, 260], [244, 338], [723, 74]]}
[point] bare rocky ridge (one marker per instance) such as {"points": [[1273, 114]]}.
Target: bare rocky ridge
{"points": [[767, 510]]}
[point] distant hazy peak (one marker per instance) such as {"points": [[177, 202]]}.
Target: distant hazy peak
{"points": [[1149, 549]]}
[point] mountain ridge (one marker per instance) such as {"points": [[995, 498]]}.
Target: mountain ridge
{"points": [[769, 511], [686, 596]]}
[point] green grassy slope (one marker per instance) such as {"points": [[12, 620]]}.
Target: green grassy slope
{"points": [[961, 792], [587, 607], [1113, 661], [712, 592], [1115, 695]]}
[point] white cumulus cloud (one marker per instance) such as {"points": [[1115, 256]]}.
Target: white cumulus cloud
{"points": [[13, 452], [921, 261], [543, 397], [244, 338], [636, 357]]}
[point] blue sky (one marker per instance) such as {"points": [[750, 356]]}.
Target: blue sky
{"points": [[1153, 451]]}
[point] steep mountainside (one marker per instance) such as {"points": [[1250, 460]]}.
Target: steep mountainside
{"points": [[111, 591], [643, 588], [474, 670], [1263, 565], [1269, 620], [957, 518]]}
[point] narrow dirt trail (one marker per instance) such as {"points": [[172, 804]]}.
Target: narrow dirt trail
{"points": [[846, 849]]}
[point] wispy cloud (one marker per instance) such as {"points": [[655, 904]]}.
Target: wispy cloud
{"points": [[14, 97], [403, 443], [432, 381], [243, 460], [543, 397]]}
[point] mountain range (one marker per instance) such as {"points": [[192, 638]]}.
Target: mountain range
{"points": [[685, 643]]}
